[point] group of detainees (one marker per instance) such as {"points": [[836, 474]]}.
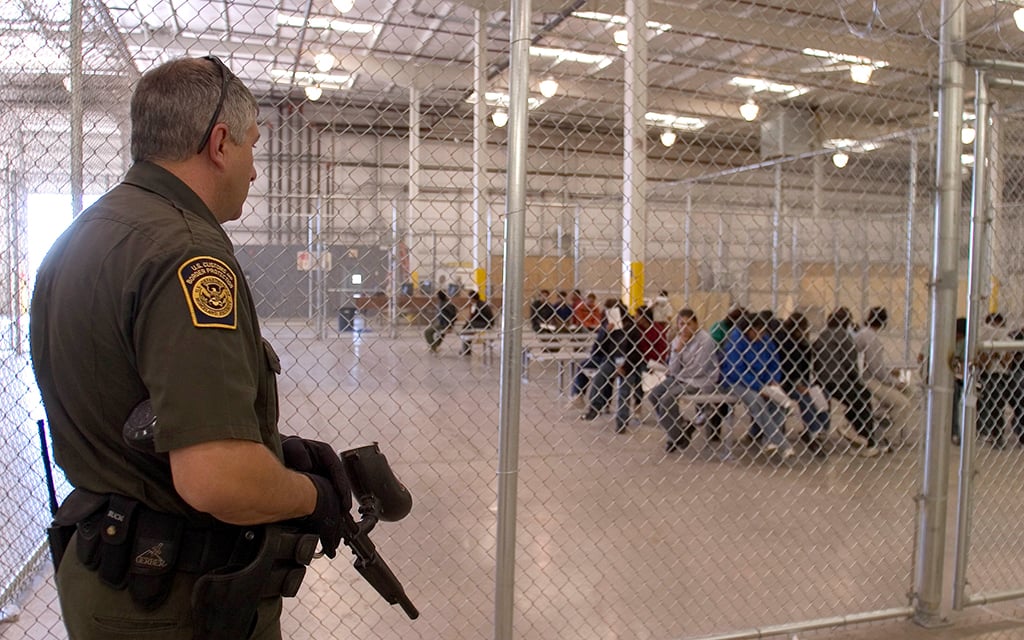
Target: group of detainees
{"points": [[774, 366]]}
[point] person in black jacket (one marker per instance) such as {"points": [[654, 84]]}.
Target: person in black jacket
{"points": [[443, 321], [795, 360], [625, 360], [481, 318]]}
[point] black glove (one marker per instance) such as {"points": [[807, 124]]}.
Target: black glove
{"points": [[328, 518], [312, 456]]}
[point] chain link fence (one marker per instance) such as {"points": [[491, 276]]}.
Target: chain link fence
{"points": [[774, 179]]}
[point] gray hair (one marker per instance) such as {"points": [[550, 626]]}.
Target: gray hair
{"points": [[172, 106]]}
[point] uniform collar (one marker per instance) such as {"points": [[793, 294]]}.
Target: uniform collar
{"points": [[156, 179]]}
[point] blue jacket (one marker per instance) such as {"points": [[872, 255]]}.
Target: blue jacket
{"points": [[751, 364]]}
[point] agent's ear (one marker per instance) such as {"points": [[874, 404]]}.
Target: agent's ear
{"points": [[218, 143]]}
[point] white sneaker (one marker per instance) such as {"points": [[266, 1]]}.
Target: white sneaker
{"points": [[770, 449], [868, 452], [845, 430], [788, 453]]}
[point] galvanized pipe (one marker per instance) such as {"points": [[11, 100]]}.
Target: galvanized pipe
{"points": [[480, 248], [978, 252], [932, 503], [77, 110], [908, 272], [511, 319], [810, 625]]}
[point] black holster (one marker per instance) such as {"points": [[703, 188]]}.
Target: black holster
{"points": [[78, 506], [224, 601]]}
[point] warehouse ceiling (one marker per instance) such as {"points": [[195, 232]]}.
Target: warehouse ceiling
{"points": [[706, 58]]}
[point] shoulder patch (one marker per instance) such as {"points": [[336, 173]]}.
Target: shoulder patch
{"points": [[209, 287]]}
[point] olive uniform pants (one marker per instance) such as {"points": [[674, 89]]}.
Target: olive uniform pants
{"points": [[93, 611]]}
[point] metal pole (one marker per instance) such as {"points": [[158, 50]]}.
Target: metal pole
{"points": [[77, 110], [978, 251], [395, 267], [794, 628], [634, 155], [577, 255], [776, 216], [908, 273], [932, 505], [687, 246], [511, 318], [480, 247], [414, 172]]}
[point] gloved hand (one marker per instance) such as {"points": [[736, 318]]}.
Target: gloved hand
{"points": [[328, 518], [312, 456]]}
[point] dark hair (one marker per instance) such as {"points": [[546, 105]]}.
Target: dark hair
{"points": [[839, 318], [645, 313], [663, 292], [442, 296], [877, 317], [996, 319], [687, 312]]}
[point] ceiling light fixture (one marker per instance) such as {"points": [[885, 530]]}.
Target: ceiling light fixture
{"points": [[967, 134], [668, 137], [313, 92], [324, 62], [621, 38], [343, 6], [840, 158], [1018, 18], [499, 118], [749, 110], [548, 87], [861, 73]]}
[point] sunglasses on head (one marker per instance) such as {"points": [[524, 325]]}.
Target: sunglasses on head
{"points": [[225, 77]]}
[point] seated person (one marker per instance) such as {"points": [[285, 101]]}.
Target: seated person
{"points": [[481, 318], [541, 311], [692, 369], [749, 367], [562, 318], [892, 397], [835, 368], [587, 314], [795, 358], [625, 361], [654, 345]]}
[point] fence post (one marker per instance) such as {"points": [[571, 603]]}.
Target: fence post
{"points": [[931, 530]]}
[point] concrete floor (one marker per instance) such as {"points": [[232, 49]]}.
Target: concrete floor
{"points": [[615, 539]]}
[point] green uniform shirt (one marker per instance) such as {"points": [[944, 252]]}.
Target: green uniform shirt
{"points": [[142, 297]]}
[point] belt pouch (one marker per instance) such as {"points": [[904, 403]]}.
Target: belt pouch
{"points": [[115, 531], [224, 601], [153, 557], [59, 538], [88, 545]]}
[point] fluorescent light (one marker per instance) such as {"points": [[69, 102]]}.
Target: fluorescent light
{"points": [[861, 73], [314, 92], [967, 134], [325, 80], [660, 27], [324, 62], [498, 99], [759, 84], [840, 158], [499, 118], [1018, 18], [668, 137], [565, 55], [849, 144], [749, 110], [548, 87], [325, 23], [621, 38], [672, 121], [832, 56], [343, 6]]}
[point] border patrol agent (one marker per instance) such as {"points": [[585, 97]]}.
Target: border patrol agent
{"points": [[141, 304]]}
